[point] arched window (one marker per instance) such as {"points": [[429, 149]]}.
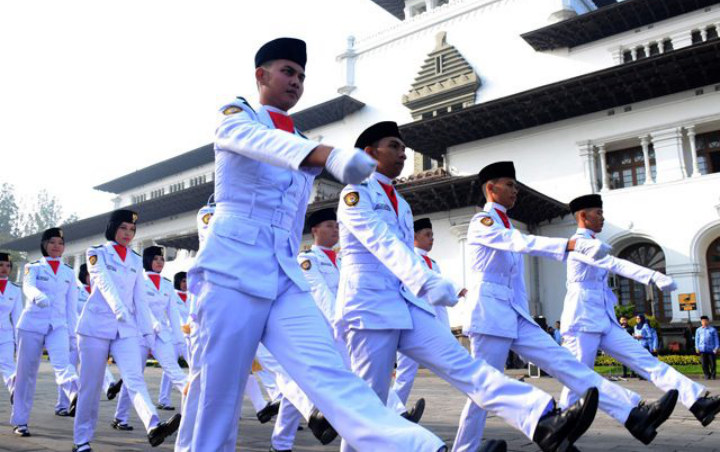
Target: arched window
{"points": [[647, 299], [713, 265]]}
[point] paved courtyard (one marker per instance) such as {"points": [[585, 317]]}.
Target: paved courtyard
{"points": [[51, 433]]}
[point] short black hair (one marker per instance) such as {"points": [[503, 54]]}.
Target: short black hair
{"points": [[704, 317]]}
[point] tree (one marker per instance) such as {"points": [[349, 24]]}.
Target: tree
{"points": [[9, 213], [46, 212]]}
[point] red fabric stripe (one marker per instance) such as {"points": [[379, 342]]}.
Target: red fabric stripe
{"points": [[121, 250], [504, 218], [428, 261], [282, 122], [332, 255], [183, 296], [390, 192], [54, 265], [3, 285], [156, 280]]}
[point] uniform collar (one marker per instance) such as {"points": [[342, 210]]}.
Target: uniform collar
{"points": [[324, 248], [275, 109], [383, 179], [585, 232], [421, 251], [490, 206]]}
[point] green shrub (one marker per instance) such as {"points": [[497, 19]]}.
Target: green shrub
{"points": [[673, 360]]}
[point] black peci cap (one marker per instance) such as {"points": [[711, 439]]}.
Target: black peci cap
{"points": [[282, 49], [422, 223], [377, 132], [496, 170], [319, 216], [586, 202]]}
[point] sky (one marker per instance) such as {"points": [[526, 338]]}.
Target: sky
{"points": [[92, 90]]}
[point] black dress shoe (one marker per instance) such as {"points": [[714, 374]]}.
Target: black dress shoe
{"points": [[321, 428], [268, 412], [558, 431], [494, 445], [114, 389], [73, 406], [272, 449], [705, 408], [645, 418], [157, 435], [12, 397], [117, 424], [416, 412], [162, 406], [85, 447], [21, 430], [62, 412]]}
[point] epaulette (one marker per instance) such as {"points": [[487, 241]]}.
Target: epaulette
{"points": [[364, 184], [166, 279], [68, 266], [16, 284], [242, 99], [136, 253], [483, 213], [301, 134], [304, 251], [35, 262], [96, 246]]}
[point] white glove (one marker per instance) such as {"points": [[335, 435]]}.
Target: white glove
{"points": [[350, 166], [663, 282], [122, 315], [42, 302], [593, 248], [439, 292]]}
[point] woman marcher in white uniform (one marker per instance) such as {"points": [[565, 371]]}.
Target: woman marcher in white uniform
{"points": [[11, 307], [49, 320], [180, 299], [110, 387], [115, 319], [159, 295]]}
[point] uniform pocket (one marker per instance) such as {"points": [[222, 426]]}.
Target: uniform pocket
{"points": [[235, 228]]}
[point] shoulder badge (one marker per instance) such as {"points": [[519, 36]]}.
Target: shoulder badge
{"points": [[92, 259], [351, 198], [206, 218], [306, 265], [487, 221], [231, 110]]}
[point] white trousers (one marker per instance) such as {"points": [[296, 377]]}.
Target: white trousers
{"points": [[63, 403], [7, 365], [165, 355], [286, 425], [621, 346], [292, 328], [30, 347], [183, 439], [253, 392], [93, 362], [535, 345], [166, 384], [404, 377], [432, 345], [108, 379]]}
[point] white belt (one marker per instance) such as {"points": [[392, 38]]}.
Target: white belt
{"points": [[275, 217], [495, 278], [589, 284]]}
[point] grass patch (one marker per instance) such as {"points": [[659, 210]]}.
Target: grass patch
{"points": [[686, 369]]}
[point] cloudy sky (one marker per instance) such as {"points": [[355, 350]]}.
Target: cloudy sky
{"points": [[91, 90]]}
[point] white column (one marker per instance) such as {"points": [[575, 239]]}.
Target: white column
{"points": [[617, 55], [645, 143], [633, 52], [459, 228], [587, 154], [669, 160], [603, 169], [350, 56], [693, 151], [703, 34], [647, 50], [681, 39]]}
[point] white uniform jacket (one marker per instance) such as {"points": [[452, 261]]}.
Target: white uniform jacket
{"points": [[165, 318], [182, 307], [380, 270], [83, 296], [261, 196], [441, 312], [589, 302], [323, 277], [11, 308], [60, 292], [115, 283], [497, 294]]}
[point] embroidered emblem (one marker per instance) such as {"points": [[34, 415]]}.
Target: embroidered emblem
{"points": [[60, 233], [133, 270], [306, 265], [111, 268], [352, 198], [135, 217], [382, 207], [92, 260], [206, 218], [487, 221], [231, 110]]}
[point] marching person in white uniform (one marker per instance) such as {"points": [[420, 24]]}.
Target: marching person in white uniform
{"points": [[115, 320], [111, 388], [407, 368], [499, 320], [383, 307], [11, 306], [248, 285], [49, 320], [180, 298], [589, 322], [159, 294]]}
